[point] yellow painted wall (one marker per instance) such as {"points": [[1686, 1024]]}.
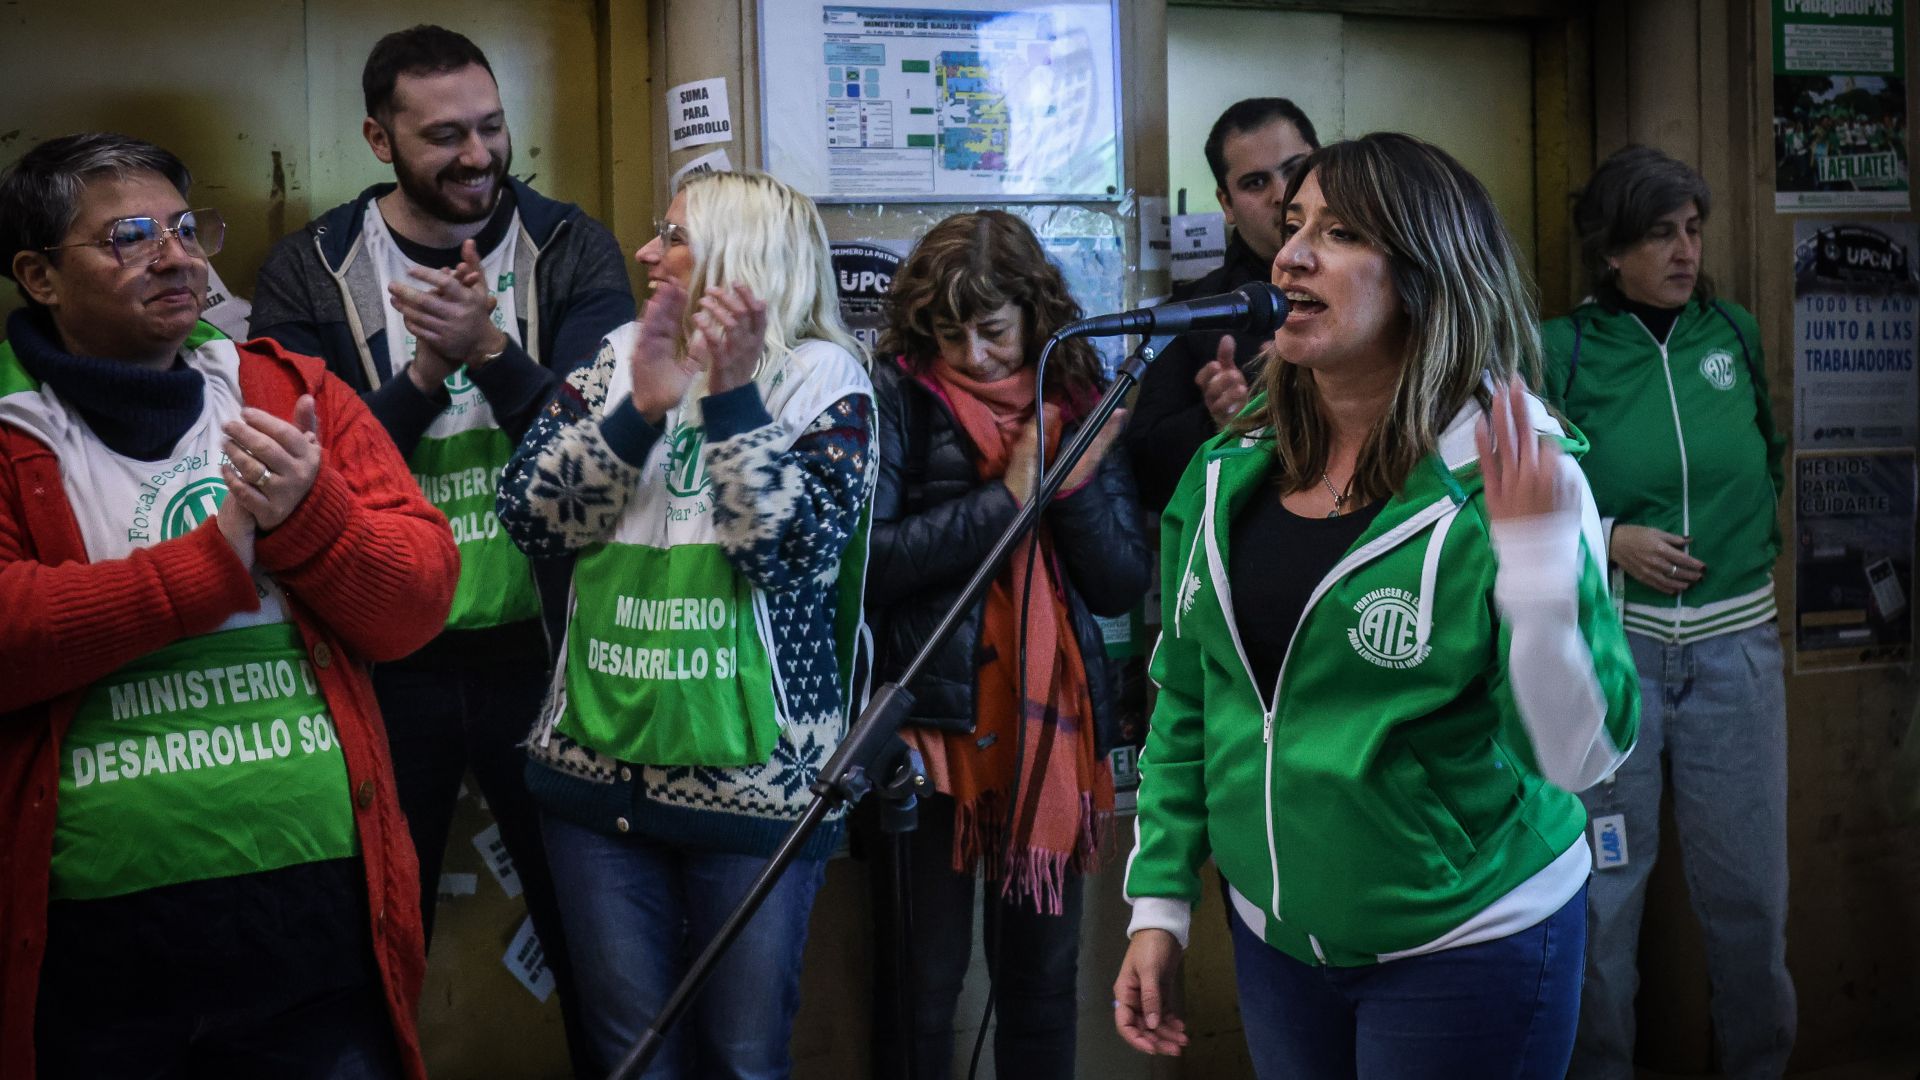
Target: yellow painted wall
{"points": [[262, 99], [544, 56], [214, 100], [1464, 85]]}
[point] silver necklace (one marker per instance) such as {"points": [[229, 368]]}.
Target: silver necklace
{"points": [[1339, 497]]}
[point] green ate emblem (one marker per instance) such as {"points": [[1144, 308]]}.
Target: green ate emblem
{"points": [[1717, 368], [192, 505], [686, 469]]}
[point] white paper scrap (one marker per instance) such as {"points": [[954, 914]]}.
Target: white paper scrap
{"points": [[528, 962], [1154, 225], [1199, 244], [697, 114], [712, 161], [452, 884], [493, 851]]}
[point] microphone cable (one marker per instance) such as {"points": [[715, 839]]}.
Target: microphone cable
{"points": [[995, 936]]}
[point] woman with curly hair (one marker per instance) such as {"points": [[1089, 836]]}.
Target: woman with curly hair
{"points": [[1006, 708]]}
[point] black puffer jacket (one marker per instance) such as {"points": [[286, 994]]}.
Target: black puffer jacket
{"points": [[927, 542]]}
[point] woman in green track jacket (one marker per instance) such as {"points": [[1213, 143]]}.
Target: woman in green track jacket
{"points": [[1387, 656], [1670, 385]]}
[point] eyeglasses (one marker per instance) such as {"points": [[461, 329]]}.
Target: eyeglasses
{"points": [[670, 233], [137, 241]]}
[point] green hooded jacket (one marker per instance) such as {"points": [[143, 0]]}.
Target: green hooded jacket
{"points": [[1392, 787], [1683, 441]]}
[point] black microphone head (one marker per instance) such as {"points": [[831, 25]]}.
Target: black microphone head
{"points": [[1266, 307]]}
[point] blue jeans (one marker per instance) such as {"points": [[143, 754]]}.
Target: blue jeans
{"points": [[637, 911], [1714, 714], [1034, 973], [1502, 1008]]}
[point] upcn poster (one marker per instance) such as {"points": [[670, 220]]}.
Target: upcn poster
{"points": [[864, 271], [1839, 105], [1853, 559], [1855, 311]]}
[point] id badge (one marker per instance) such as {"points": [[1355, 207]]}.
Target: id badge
{"points": [[1610, 842]]}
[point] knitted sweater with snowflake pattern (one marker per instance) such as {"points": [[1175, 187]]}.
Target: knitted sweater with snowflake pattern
{"points": [[567, 485]]}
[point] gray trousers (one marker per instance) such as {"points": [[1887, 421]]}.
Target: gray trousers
{"points": [[1713, 718]]}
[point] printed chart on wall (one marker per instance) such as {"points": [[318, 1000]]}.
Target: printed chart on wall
{"points": [[969, 100], [1839, 105]]}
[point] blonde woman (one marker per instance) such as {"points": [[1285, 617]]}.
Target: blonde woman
{"points": [[711, 472], [1375, 736]]}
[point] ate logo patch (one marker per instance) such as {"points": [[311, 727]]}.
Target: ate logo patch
{"points": [[1387, 633], [686, 468], [192, 505], [1717, 368]]}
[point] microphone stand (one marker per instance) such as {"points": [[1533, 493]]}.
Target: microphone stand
{"points": [[873, 757]]}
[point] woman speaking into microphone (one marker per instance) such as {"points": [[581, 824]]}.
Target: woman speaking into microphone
{"points": [[1387, 658]]}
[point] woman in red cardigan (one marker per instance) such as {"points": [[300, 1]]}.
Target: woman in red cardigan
{"points": [[203, 865]]}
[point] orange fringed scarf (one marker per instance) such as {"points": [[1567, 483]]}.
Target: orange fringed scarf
{"points": [[1066, 791]]}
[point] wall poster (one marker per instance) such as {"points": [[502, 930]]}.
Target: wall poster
{"points": [[1839, 105], [1853, 522], [863, 271], [958, 100], [1855, 310]]}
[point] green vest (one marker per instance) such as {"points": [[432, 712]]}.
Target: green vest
{"points": [[211, 757], [669, 650]]}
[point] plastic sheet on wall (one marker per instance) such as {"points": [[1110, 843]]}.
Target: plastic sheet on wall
{"points": [[1093, 244]]}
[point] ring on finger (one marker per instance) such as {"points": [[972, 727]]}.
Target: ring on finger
{"points": [[266, 474], [1673, 570]]}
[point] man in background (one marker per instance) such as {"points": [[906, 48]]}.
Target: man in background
{"points": [[1200, 382]]}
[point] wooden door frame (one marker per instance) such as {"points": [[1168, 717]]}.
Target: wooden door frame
{"points": [[1564, 78]]}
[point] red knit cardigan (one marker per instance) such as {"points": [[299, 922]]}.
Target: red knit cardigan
{"points": [[369, 570]]}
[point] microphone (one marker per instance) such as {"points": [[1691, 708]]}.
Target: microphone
{"points": [[1253, 308]]}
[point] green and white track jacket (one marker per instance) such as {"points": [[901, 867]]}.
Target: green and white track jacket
{"points": [[1683, 441], [1404, 788]]}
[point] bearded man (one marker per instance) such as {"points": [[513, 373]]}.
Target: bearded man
{"points": [[455, 300]]}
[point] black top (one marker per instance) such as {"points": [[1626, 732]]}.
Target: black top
{"points": [[1270, 593], [225, 944], [934, 520], [1170, 419], [484, 242], [1658, 320], [136, 411]]}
